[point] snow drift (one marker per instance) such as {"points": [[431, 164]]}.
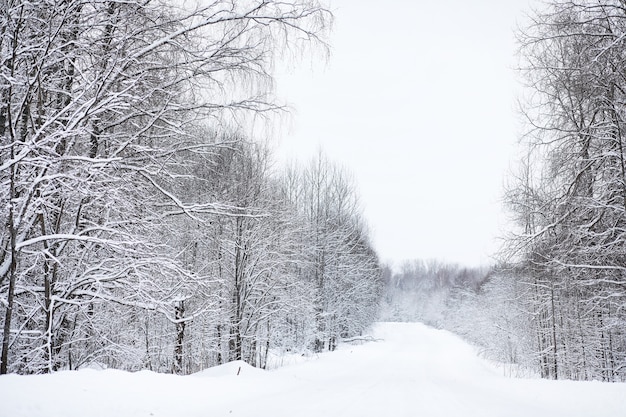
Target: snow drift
{"points": [[409, 370]]}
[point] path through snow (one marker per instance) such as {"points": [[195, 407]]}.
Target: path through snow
{"points": [[412, 370]]}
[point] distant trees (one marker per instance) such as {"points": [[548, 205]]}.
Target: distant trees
{"points": [[141, 231], [570, 199], [488, 307], [429, 291]]}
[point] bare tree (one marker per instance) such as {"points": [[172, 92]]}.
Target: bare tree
{"points": [[343, 269], [571, 236], [98, 98]]}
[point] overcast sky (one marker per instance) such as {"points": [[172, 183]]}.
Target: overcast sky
{"points": [[417, 100]]}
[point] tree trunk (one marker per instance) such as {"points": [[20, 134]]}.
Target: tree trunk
{"points": [[6, 334], [179, 315]]}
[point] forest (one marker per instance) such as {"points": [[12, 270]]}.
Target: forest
{"points": [[143, 229], [147, 226], [555, 304], [569, 196]]}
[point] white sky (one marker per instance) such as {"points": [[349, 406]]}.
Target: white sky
{"points": [[418, 102]]}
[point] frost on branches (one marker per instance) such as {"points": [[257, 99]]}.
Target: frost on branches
{"points": [[140, 230]]}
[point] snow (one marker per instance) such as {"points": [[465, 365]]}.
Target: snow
{"points": [[410, 370], [236, 368]]}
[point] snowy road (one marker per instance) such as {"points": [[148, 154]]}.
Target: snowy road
{"points": [[412, 370]]}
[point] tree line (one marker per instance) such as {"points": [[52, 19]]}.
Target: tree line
{"points": [[569, 198], [142, 228], [556, 303]]}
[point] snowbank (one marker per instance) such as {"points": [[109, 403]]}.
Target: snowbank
{"points": [[235, 368], [412, 370]]}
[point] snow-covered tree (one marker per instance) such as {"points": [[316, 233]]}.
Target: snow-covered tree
{"points": [[98, 99], [570, 200], [342, 267]]}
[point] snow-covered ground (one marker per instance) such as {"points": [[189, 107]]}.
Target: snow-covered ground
{"points": [[412, 370]]}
